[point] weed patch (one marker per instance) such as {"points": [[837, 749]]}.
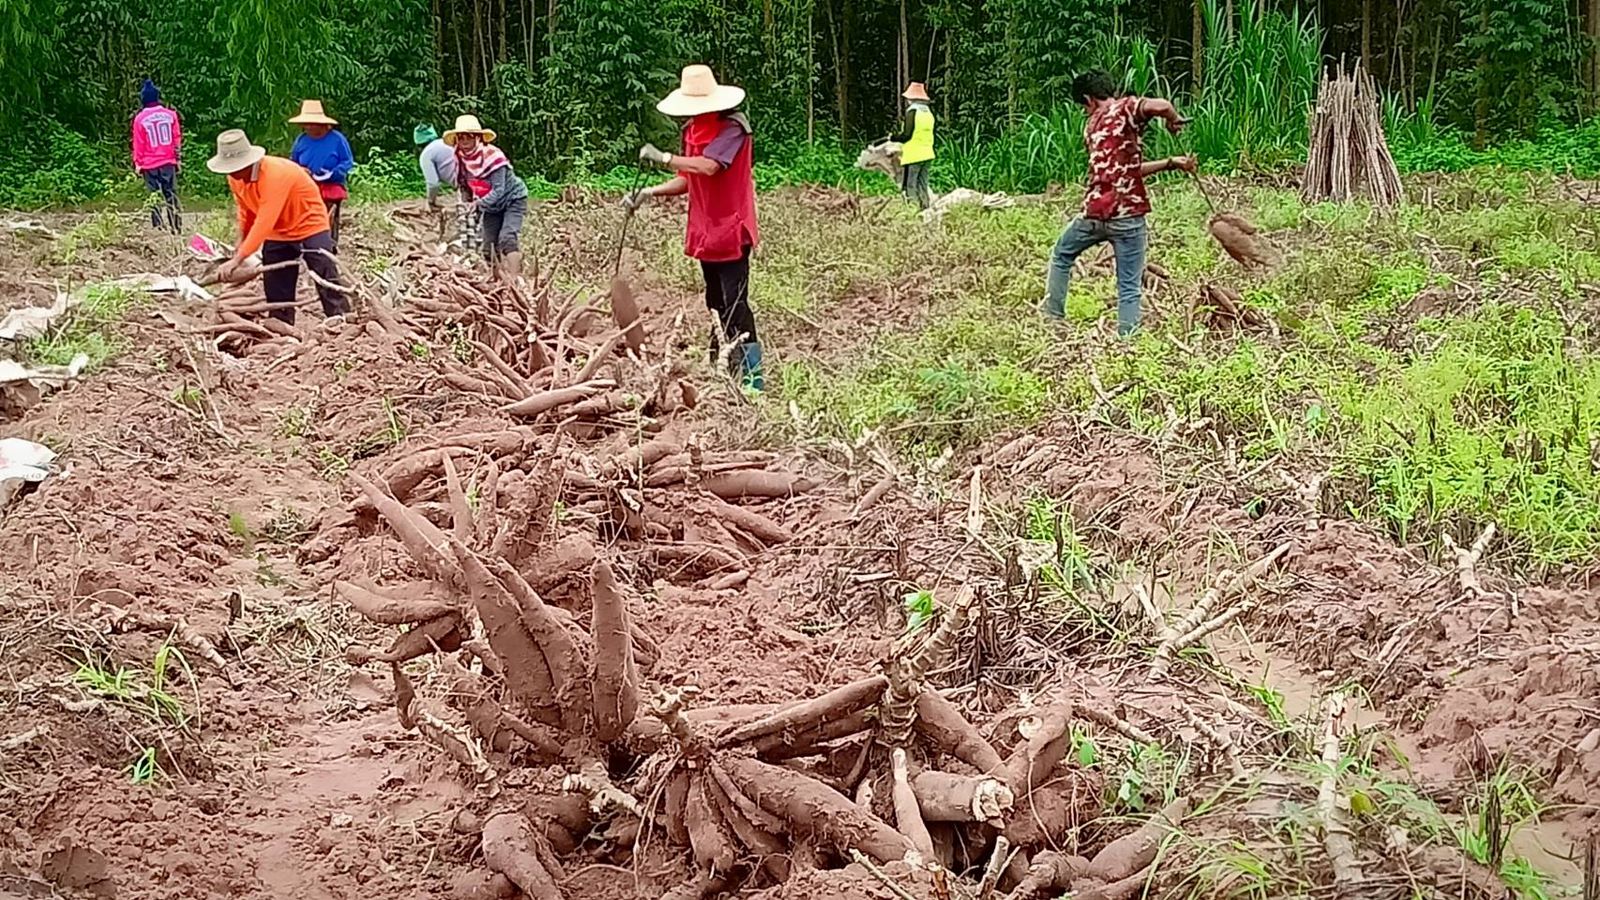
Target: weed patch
{"points": [[90, 329]]}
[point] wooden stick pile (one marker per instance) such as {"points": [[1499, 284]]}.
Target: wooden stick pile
{"points": [[1348, 156]]}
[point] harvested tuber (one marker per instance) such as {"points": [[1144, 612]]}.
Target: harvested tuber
{"points": [[942, 724], [1127, 855], [756, 484], [907, 817], [835, 704], [615, 684], [946, 797], [510, 847], [384, 608], [812, 809]]}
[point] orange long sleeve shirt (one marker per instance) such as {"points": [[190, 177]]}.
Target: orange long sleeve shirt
{"points": [[281, 203]]}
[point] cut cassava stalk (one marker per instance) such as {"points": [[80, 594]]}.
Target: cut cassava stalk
{"points": [[947, 797], [837, 703], [510, 848], [812, 809], [615, 685], [907, 817], [1336, 839], [947, 729], [122, 618], [384, 608], [545, 401], [1172, 640], [1130, 854], [458, 743]]}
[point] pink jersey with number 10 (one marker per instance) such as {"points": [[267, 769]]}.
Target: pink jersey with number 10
{"points": [[157, 135]]}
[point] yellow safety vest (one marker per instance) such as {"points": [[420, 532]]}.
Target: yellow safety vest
{"points": [[920, 147]]}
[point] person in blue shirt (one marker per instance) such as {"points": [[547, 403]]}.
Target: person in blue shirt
{"points": [[325, 153]]}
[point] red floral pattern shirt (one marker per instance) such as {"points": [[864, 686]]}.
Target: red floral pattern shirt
{"points": [[1113, 134]]}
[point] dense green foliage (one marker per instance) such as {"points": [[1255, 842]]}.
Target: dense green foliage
{"points": [[571, 83]]}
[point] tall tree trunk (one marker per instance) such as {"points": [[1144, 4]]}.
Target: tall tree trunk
{"points": [[550, 26], [1366, 35], [1480, 113], [505, 26], [904, 53], [811, 72], [1593, 31], [1197, 44]]}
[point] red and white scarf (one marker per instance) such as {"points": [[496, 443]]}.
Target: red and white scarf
{"points": [[476, 164]]}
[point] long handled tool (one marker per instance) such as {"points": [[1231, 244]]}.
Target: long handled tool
{"points": [[624, 308]]}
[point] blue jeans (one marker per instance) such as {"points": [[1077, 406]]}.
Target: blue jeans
{"points": [[1127, 237]]}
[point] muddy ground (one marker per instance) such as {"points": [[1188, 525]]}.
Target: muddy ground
{"points": [[209, 491]]}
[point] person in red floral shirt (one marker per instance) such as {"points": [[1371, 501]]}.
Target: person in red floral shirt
{"points": [[1115, 205]]}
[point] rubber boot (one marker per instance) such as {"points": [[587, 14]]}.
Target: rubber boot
{"points": [[750, 372]]}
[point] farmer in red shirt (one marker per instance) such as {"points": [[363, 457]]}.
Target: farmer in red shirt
{"points": [[1116, 203], [714, 170]]}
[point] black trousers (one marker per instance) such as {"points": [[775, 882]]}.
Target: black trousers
{"points": [[163, 180], [728, 295], [335, 213], [280, 285]]}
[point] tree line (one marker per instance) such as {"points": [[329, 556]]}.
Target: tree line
{"points": [[571, 84]]}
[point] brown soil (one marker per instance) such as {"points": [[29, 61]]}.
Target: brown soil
{"points": [[234, 517]]}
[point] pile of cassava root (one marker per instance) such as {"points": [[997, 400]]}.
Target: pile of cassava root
{"points": [[522, 538]]}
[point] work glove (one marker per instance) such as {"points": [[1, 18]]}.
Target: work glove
{"points": [[633, 201], [650, 154]]}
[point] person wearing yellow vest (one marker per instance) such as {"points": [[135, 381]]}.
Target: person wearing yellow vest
{"points": [[916, 145]]}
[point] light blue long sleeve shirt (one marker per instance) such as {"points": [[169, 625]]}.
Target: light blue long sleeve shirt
{"points": [[438, 162]]}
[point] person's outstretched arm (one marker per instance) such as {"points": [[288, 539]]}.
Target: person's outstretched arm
{"points": [[1158, 108]]}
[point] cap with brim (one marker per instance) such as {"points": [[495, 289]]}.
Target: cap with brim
{"points": [[311, 114], [234, 153], [699, 93], [469, 125], [424, 134], [916, 91]]}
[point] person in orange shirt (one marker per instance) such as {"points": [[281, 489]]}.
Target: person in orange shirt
{"points": [[281, 213]]}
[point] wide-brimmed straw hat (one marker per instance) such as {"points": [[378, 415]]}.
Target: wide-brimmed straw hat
{"points": [[699, 93], [311, 114], [234, 153], [469, 125], [916, 90]]}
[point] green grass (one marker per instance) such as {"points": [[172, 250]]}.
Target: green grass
{"points": [[1473, 405], [99, 231], [89, 329]]}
